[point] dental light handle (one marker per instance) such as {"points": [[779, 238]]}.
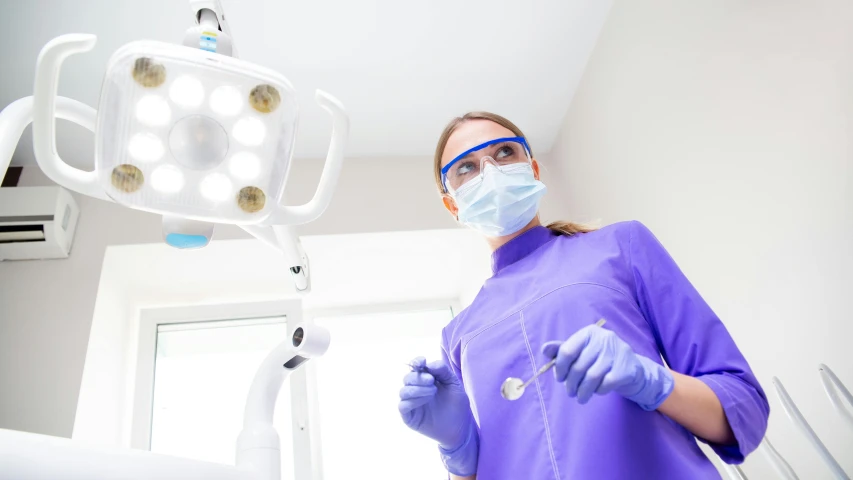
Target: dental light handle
{"points": [[44, 115], [13, 120], [308, 212], [17, 115]]}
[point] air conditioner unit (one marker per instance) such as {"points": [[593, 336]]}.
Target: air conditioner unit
{"points": [[36, 222]]}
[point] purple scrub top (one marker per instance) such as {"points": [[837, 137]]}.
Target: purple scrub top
{"points": [[546, 287]]}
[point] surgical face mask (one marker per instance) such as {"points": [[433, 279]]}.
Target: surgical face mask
{"points": [[501, 200]]}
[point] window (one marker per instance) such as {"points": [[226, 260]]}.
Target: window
{"points": [[202, 375], [196, 365], [358, 384]]}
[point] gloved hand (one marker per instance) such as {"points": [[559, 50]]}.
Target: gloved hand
{"points": [[596, 360], [433, 403]]}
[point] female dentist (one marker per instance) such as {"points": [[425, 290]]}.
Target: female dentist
{"points": [[613, 409]]}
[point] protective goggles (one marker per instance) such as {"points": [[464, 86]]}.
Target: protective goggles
{"points": [[468, 165]]}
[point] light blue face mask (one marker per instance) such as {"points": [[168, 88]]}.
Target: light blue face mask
{"points": [[501, 200], [494, 186]]}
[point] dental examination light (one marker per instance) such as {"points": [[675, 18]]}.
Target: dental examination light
{"points": [[187, 132]]}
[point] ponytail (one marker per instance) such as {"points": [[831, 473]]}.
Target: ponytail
{"points": [[569, 228]]}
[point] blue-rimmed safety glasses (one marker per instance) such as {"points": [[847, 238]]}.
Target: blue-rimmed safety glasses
{"points": [[468, 165]]}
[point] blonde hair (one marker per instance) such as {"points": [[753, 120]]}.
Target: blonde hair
{"points": [[560, 227]]}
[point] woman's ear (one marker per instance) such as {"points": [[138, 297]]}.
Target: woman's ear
{"points": [[535, 165], [450, 205]]}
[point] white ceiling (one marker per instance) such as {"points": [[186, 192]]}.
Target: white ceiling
{"points": [[401, 68]]}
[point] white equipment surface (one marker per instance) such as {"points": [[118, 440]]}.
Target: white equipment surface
{"points": [[27, 456], [36, 223]]}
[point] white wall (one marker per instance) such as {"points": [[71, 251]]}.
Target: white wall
{"points": [[46, 307], [727, 126]]}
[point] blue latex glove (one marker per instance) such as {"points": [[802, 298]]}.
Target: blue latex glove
{"points": [[595, 360], [433, 403]]}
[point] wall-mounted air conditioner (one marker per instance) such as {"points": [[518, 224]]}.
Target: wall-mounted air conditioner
{"points": [[36, 222]]}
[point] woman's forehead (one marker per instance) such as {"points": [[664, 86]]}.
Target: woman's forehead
{"points": [[470, 134]]}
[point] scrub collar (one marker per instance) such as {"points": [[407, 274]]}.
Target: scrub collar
{"points": [[520, 247]]}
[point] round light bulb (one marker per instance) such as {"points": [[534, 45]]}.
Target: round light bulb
{"points": [[153, 110], [215, 187], [249, 131], [198, 142], [244, 165], [226, 100], [145, 147], [167, 179], [187, 91]]}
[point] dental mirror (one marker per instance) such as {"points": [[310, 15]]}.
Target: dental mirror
{"points": [[513, 388]]}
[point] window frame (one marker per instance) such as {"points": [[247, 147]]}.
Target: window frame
{"points": [[143, 392]]}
